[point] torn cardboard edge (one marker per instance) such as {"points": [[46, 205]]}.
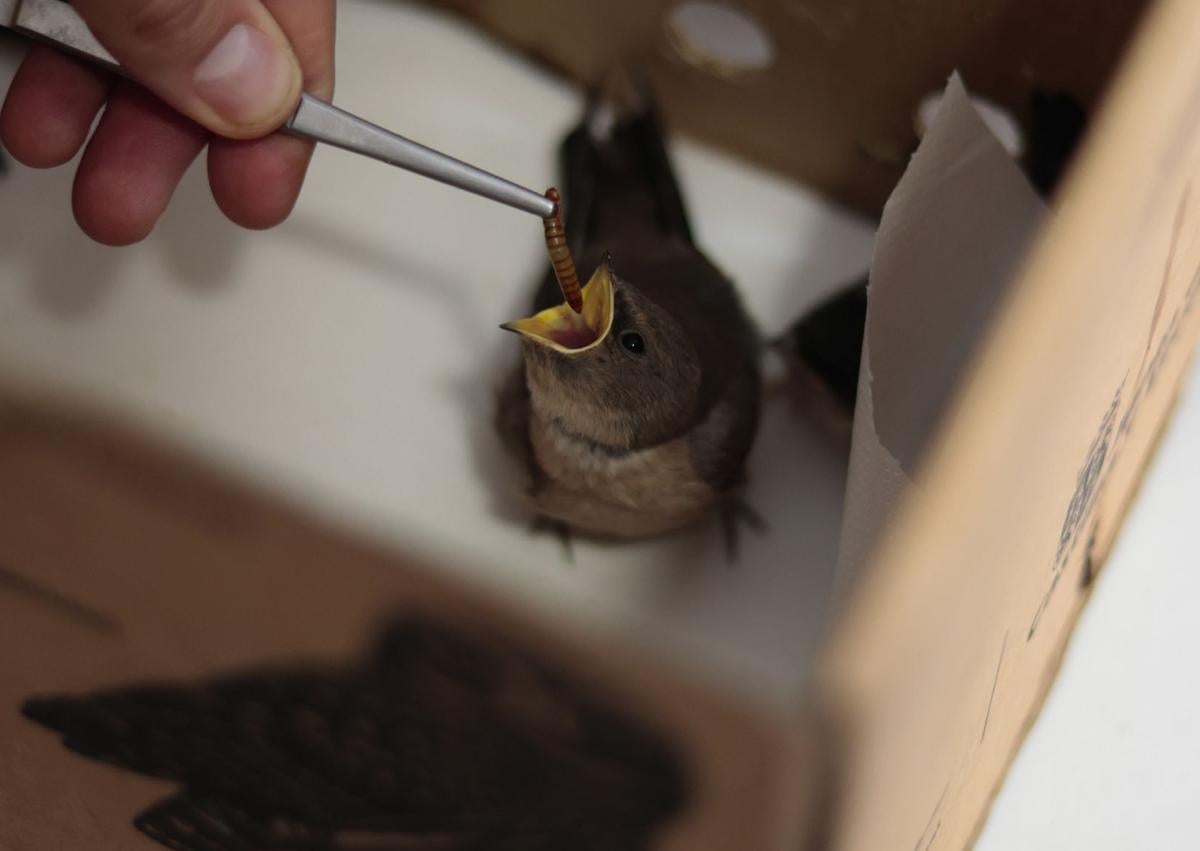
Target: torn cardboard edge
{"points": [[950, 240]]}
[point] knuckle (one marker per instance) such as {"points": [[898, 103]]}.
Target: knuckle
{"points": [[173, 25]]}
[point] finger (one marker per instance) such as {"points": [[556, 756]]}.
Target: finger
{"points": [[224, 63], [132, 165], [256, 183], [310, 28], [51, 104]]}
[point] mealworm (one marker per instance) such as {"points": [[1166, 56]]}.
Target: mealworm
{"points": [[560, 255]]}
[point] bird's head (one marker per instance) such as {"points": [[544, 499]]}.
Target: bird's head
{"points": [[622, 372]]}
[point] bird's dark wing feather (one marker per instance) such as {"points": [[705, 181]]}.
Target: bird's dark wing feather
{"points": [[829, 340], [718, 446], [620, 193], [621, 182], [1058, 122]]}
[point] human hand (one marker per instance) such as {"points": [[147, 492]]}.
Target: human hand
{"points": [[221, 73]]}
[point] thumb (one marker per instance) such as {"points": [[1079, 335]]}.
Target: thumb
{"points": [[226, 64]]}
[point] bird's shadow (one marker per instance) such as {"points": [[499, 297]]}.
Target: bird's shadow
{"points": [[435, 739], [356, 250], [72, 278]]}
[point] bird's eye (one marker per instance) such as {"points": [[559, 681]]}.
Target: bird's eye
{"points": [[632, 341]]}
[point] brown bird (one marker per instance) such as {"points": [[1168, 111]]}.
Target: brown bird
{"points": [[633, 417]]}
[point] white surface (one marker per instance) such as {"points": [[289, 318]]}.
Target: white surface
{"points": [[348, 359], [1113, 762]]}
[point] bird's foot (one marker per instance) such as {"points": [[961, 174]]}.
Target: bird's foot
{"points": [[542, 525], [736, 512]]}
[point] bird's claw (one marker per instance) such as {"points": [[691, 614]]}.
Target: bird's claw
{"points": [[542, 525], [735, 511]]}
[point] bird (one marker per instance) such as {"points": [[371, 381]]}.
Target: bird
{"points": [[434, 740], [634, 417]]}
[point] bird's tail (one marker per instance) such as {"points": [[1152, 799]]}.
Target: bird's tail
{"points": [[617, 174]]}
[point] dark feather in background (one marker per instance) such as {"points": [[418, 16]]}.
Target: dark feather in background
{"points": [[435, 741]]}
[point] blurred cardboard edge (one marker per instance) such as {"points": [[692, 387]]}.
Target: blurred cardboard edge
{"points": [[133, 560], [949, 642]]}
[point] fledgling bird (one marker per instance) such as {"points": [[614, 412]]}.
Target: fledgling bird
{"points": [[633, 417]]}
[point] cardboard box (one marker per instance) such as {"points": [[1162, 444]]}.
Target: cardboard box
{"points": [[242, 651], [829, 99]]}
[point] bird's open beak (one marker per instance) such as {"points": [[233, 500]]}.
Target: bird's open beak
{"points": [[562, 329]]}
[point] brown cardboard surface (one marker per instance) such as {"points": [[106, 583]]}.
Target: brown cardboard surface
{"points": [[835, 109], [948, 643], [1054, 663], [123, 563]]}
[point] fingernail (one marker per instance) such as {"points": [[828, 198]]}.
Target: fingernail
{"points": [[246, 77]]}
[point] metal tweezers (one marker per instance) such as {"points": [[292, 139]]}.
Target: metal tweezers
{"points": [[56, 23]]}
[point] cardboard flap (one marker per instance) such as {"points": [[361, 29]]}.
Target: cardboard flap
{"points": [[948, 641]]}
